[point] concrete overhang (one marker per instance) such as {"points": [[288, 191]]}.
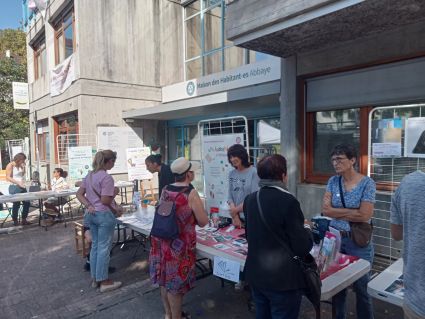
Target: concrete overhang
{"points": [[320, 27], [237, 100]]}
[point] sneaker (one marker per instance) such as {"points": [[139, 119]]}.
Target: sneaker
{"points": [[113, 286], [95, 284]]}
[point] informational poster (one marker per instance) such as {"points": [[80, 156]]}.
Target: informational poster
{"points": [[386, 137], [414, 145], [80, 161], [136, 163], [119, 139], [217, 168]]}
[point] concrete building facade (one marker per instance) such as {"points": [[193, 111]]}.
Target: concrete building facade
{"points": [[345, 66], [123, 54]]}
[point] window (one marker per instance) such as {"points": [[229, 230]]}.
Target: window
{"points": [[328, 128], [206, 49], [40, 62], [66, 134], [43, 141], [64, 36]]}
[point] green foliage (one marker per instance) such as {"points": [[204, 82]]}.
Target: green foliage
{"points": [[14, 124]]}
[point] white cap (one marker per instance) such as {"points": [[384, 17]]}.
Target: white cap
{"points": [[181, 165]]}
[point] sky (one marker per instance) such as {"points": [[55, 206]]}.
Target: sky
{"points": [[10, 14]]}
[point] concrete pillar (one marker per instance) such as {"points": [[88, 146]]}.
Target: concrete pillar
{"points": [[290, 147]]}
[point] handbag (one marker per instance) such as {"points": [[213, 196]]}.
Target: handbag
{"points": [[165, 221], [361, 232], [307, 264]]}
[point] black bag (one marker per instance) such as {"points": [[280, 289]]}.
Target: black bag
{"points": [[165, 222], [361, 232], [308, 265]]}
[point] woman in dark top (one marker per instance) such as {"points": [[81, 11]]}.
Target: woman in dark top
{"points": [[165, 176], [276, 280]]}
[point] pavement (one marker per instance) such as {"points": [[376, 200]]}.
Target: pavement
{"points": [[42, 277]]}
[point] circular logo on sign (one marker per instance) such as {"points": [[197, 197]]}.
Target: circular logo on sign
{"points": [[190, 88]]}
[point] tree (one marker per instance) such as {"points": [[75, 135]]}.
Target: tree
{"points": [[14, 124]]}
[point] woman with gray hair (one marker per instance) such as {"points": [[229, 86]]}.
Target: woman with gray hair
{"points": [[96, 193]]}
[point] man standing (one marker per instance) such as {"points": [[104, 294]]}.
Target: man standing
{"points": [[408, 223], [165, 176]]}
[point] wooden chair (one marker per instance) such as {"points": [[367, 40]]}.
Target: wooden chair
{"points": [[81, 246]]}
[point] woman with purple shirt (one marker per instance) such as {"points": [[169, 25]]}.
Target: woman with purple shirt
{"points": [[96, 193]]}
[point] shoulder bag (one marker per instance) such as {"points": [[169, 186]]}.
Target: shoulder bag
{"points": [[113, 210], [308, 264], [361, 232], [165, 220]]}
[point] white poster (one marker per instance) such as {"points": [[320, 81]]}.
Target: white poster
{"points": [[136, 163], [119, 139], [226, 269], [20, 95], [62, 76], [386, 137], [217, 168], [80, 161], [414, 145]]}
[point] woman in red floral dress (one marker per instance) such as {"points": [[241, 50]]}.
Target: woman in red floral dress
{"points": [[172, 262]]}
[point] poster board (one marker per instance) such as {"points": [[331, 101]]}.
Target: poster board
{"points": [[386, 137], [415, 137], [217, 167], [119, 139], [136, 163], [80, 161], [20, 96]]}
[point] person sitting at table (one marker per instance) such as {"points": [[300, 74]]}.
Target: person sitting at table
{"points": [[358, 193], [15, 174], [172, 262], [58, 183], [155, 165], [276, 280]]}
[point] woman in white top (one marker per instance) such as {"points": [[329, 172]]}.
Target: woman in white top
{"points": [[15, 174], [58, 183]]}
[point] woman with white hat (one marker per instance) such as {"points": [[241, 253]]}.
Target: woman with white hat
{"points": [[172, 261]]}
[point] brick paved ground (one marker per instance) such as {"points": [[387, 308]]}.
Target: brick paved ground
{"points": [[42, 277]]}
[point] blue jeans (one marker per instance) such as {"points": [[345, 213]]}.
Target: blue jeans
{"points": [[363, 300], [15, 189], [102, 226], [276, 304]]}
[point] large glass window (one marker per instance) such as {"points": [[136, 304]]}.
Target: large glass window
{"points": [[40, 62], [207, 51], [328, 128], [64, 36], [43, 141]]}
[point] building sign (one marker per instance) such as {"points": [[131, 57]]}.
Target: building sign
{"points": [[62, 76], [119, 139], [249, 74], [20, 95]]}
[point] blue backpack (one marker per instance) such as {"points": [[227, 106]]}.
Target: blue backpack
{"points": [[165, 221]]}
